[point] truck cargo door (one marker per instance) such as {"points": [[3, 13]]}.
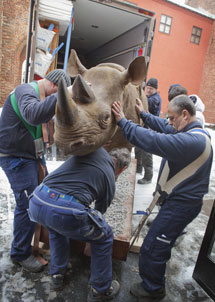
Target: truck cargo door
{"points": [[111, 31]]}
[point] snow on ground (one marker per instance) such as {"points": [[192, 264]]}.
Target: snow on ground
{"points": [[15, 285]]}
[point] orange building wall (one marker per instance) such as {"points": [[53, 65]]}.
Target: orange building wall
{"points": [[174, 59]]}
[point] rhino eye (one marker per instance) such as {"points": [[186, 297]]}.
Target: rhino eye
{"points": [[104, 120]]}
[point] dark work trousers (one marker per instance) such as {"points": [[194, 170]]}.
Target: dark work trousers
{"points": [[23, 178], [144, 160], [170, 221], [66, 218]]}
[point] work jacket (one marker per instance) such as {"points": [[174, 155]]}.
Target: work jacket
{"points": [[15, 139], [88, 178], [179, 149], [154, 104]]}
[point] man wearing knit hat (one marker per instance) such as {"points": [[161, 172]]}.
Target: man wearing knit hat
{"points": [[54, 76], [144, 159], [21, 151]]}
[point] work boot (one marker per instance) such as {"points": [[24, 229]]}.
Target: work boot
{"points": [[144, 181], [109, 294], [57, 282], [139, 170], [138, 291], [31, 264]]}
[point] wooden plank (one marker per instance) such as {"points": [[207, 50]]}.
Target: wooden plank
{"points": [[137, 245]]}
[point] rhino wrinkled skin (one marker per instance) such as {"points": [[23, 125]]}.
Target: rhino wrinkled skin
{"points": [[84, 122]]}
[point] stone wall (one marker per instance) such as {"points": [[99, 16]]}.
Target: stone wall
{"points": [[208, 5], [13, 40]]}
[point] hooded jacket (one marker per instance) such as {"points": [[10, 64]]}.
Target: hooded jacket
{"points": [[200, 108]]}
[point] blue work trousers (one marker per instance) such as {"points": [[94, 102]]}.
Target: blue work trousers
{"points": [[22, 175], [66, 218], [169, 223]]}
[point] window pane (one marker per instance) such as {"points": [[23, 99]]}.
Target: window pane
{"points": [[169, 21], [167, 29], [163, 19], [192, 39], [194, 30], [161, 27], [198, 32], [197, 40]]}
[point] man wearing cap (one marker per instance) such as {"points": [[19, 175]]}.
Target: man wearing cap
{"points": [[144, 159], [21, 148]]}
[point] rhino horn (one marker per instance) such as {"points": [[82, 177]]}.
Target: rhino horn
{"points": [[66, 108], [81, 92], [136, 71], [74, 66]]}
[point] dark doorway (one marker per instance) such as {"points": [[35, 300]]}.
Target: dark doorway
{"points": [[204, 272]]}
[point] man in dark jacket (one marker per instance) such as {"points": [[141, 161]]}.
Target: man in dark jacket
{"points": [[182, 182], [144, 159], [20, 151], [62, 205]]}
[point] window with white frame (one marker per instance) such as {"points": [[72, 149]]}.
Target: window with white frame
{"points": [[196, 35], [165, 24]]}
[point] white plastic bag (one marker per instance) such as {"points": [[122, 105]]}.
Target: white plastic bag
{"points": [[42, 63], [44, 37]]}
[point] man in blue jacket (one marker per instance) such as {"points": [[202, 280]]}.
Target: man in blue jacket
{"points": [[62, 205], [20, 153], [187, 160], [144, 159]]}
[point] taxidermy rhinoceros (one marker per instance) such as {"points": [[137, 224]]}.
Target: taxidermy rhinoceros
{"points": [[84, 122]]}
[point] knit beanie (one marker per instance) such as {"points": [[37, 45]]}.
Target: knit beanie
{"points": [[54, 76], [152, 82]]}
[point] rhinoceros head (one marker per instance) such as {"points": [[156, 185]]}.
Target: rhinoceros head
{"points": [[84, 121]]}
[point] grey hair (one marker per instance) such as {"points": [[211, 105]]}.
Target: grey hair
{"points": [[181, 102], [122, 157]]}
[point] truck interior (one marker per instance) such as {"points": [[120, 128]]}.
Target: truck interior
{"points": [[103, 30]]}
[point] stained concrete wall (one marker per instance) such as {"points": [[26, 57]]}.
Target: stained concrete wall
{"points": [[208, 5]]}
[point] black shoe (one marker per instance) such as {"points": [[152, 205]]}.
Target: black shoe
{"points": [[31, 264], [138, 291], [144, 181], [139, 170], [109, 294], [57, 282]]}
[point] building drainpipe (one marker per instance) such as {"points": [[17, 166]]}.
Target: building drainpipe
{"points": [[28, 51]]}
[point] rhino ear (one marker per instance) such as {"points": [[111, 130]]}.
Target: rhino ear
{"points": [[81, 92], [66, 109], [136, 71], [74, 66]]}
